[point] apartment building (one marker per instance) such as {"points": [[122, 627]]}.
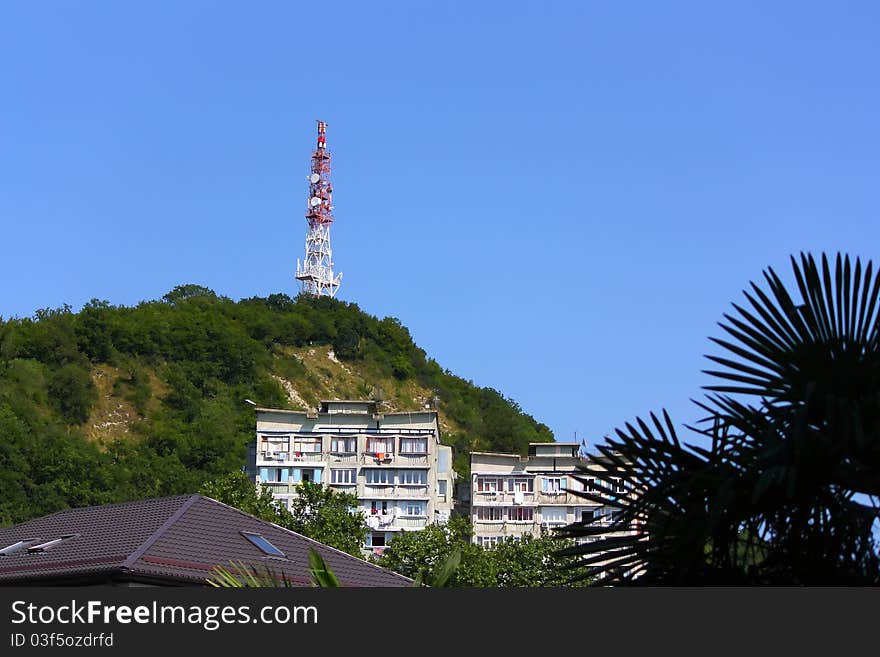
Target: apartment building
{"points": [[513, 495], [392, 462]]}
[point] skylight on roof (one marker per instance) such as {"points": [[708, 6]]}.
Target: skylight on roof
{"points": [[263, 544], [42, 547], [18, 545]]}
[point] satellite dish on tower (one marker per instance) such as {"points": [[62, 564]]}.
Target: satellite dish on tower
{"points": [[314, 178], [314, 201]]}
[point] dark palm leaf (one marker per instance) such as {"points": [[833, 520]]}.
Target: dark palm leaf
{"points": [[788, 491]]}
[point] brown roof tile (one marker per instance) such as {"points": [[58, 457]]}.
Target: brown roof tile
{"points": [[175, 540]]}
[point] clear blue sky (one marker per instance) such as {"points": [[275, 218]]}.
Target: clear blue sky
{"points": [[558, 199]]}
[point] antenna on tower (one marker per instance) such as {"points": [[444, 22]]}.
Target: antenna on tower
{"points": [[315, 273]]}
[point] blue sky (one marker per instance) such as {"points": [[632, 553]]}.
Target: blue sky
{"points": [[559, 201]]}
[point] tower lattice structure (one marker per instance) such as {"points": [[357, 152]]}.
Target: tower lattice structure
{"points": [[315, 273]]}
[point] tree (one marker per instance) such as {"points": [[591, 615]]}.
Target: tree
{"points": [[72, 390], [444, 555], [788, 491], [188, 291], [236, 489], [329, 517]]}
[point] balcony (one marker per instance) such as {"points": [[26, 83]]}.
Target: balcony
{"points": [[277, 486], [345, 488], [406, 522], [298, 457], [376, 458], [378, 490], [405, 460], [505, 497], [379, 520], [273, 456], [343, 457], [398, 492], [560, 498]]}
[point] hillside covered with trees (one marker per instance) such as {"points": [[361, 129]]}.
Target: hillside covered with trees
{"points": [[115, 403]]}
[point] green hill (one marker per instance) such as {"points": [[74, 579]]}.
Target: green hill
{"points": [[117, 403]]}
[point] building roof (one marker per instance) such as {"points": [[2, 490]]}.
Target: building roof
{"points": [[556, 444], [171, 540]]}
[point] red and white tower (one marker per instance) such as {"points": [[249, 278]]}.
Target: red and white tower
{"points": [[315, 273]]}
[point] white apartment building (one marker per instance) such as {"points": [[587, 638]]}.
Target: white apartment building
{"points": [[513, 495], [393, 462]]}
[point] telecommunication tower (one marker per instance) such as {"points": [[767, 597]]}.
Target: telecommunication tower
{"points": [[315, 273]]}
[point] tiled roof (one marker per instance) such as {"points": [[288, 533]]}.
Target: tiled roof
{"points": [[174, 540]]}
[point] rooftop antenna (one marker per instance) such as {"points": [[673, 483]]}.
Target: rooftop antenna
{"points": [[315, 273]]}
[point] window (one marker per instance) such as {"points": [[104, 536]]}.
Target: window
{"points": [[343, 476], [520, 514], [378, 477], [42, 547], [312, 475], [263, 544], [412, 477], [417, 509], [274, 475], [553, 514], [441, 487], [375, 540], [553, 485], [489, 513], [413, 445], [521, 484], [380, 445], [343, 445], [18, 545], [271, 445], [488, 541], [489, 484], [306, 445], [379, 506]]}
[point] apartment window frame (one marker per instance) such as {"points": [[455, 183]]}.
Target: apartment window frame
{"points": [[560, 515], [489, 513], [497, 484], [421, 509], [421, 445], [518, 514], [274, 444], [275, 474], [521, 484], [380, 445], [336, 473], [548, 488], [404, 475], [299, 442], [343, 444], [379, 507], [378, 477]]}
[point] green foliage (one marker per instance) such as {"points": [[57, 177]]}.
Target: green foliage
{"points": [[186, 363], [321, 575], [789, 491], [329, 517], [236, 489], [253, 576], [73, 392], [189, 291], [443, 555]]}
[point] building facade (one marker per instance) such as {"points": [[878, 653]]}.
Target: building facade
{"points": [[513, 495], [392, 462]]}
